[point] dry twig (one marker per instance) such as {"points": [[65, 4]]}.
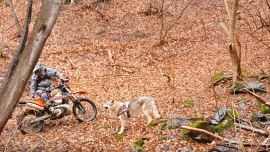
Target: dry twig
{"points": [[262, 100], [71, 63], [259, 131]]}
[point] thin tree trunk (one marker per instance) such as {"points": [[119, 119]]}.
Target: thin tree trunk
{"points": [[236, 68], [235, 57], [14, 86], [14, 15]]}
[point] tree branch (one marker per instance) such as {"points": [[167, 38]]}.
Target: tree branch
{"points": [[176, 20], [259, 131], [262, 100], [204, 131]]}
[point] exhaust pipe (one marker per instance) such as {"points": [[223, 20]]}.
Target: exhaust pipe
{"points": [[35, 106]]}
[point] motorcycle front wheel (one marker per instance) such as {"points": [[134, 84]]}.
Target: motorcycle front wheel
{"points": [[84, 110], [26, 126]]}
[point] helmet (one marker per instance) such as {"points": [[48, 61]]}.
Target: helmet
{"points": [[38, 68]]}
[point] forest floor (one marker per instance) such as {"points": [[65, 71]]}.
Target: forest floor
{"points": [[113, 52]]}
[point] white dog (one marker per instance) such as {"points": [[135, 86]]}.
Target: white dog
{"points": [[124, 110]]}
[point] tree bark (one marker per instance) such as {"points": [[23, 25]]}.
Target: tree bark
{"points": [[14, 86], [234, 40]]}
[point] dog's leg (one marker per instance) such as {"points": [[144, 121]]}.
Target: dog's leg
{"points": [[123, 124], [147, 110], [148, 116], [155, 112]]}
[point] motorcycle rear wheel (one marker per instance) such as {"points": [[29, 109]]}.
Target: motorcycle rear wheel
{"points": [[24, 122], [84, 110]]}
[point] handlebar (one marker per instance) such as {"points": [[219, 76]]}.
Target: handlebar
{"points": [[62, 83]]}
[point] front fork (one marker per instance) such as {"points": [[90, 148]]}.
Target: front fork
{"points": [[76, 102]]}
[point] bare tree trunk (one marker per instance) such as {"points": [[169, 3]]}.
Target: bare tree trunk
{"points": [[14, 15], [14, 86], [234, 40]]}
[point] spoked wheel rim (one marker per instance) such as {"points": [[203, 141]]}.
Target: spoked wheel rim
{"points": [[25, 124], [85, 111]]}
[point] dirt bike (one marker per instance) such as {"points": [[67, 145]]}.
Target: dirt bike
{"points": [[37, 111]]}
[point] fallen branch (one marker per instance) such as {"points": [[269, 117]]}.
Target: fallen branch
{"points": [[127, 70], [123, 67], [230, 141], [71, 63], [205, 131], [265, 141], [262, 100], [110, 56], [118, 65], [259, 131]]}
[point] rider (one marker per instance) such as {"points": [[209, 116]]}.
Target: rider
{"points": [[41, 83]]}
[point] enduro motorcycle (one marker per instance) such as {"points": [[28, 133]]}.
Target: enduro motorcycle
{"points": [[37, 111]]}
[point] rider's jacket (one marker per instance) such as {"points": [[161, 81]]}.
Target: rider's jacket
{"points": [[44, 82]]}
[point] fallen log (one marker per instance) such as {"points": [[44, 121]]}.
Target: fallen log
{"points": [[204, 131]]}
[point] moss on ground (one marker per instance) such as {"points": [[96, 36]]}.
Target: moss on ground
{"points": [[217, 76], [120, 136], [224, 125], [201, 137], [189, 103]]}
